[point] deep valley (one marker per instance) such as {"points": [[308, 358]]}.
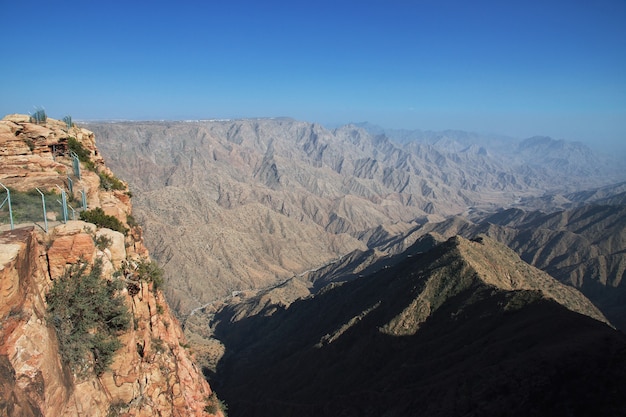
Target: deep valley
{"points": [[342, 272]]}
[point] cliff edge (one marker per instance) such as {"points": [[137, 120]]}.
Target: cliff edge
{"points": [[151, 370]]}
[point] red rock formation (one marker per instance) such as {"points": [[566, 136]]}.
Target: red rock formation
{"points": [[154, 372]]}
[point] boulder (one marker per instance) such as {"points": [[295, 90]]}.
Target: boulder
{"points": [[116, 247], [70, 249]]}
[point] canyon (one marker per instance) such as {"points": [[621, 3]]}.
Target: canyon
{"points": [[309, 265], [460, 327], [245, 204], [315, 271]]}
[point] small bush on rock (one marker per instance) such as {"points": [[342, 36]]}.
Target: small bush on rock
{"points": [[150, 271], [87, 313], [100, 219], [109, 182]]}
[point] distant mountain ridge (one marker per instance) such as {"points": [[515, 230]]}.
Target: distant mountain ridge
{"points": [[558, 155], [584, 247]]}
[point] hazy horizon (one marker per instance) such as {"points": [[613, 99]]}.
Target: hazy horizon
{"points": [[553, 69]]}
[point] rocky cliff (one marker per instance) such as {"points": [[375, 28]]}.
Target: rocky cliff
{"points": [[153, 371]]}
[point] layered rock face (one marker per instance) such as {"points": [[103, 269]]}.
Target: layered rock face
{"points": [[153, 373], [36, 155]]}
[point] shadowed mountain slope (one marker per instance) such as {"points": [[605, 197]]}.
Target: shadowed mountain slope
{"points": [[583, 247], [464, 329]]}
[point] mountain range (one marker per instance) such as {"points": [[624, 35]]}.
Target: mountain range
{"points": [[353, 272], [234, 205], [360, 272]]}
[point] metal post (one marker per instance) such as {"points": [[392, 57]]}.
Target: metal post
{"points": [[63, 203], [70, 185], [73, 212], [43, 203], [76, 164], [64, 197], [84, 193], [9, 200]]}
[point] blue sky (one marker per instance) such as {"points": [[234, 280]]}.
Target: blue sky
{"points": [[520, 68]]}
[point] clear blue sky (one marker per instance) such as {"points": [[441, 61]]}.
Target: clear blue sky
{"points": [[521, 68]]}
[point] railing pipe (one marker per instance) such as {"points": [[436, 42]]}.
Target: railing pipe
{"points": [[10, 208], [45, 216], [63, 203]]}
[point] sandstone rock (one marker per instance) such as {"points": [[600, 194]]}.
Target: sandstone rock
{"points": [[69, 249], [35, 132], [17, 118], [25, 339], [73, 227], [116, 248], [10, 290], [10, 144], [7, 129]]}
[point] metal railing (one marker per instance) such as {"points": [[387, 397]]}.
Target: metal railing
{"points": [[35, 207]]}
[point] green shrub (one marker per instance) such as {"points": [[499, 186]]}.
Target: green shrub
{"points": [[87, 313], [102, 242], [97, 217], [75, 146], [117, 409], [131, 221], [108, 182], [84, 155], [150, 271], [214, 405], [158, 345]]}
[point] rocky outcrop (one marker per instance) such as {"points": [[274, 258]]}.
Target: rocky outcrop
{"points": [[38, 155], [154, 372]]}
